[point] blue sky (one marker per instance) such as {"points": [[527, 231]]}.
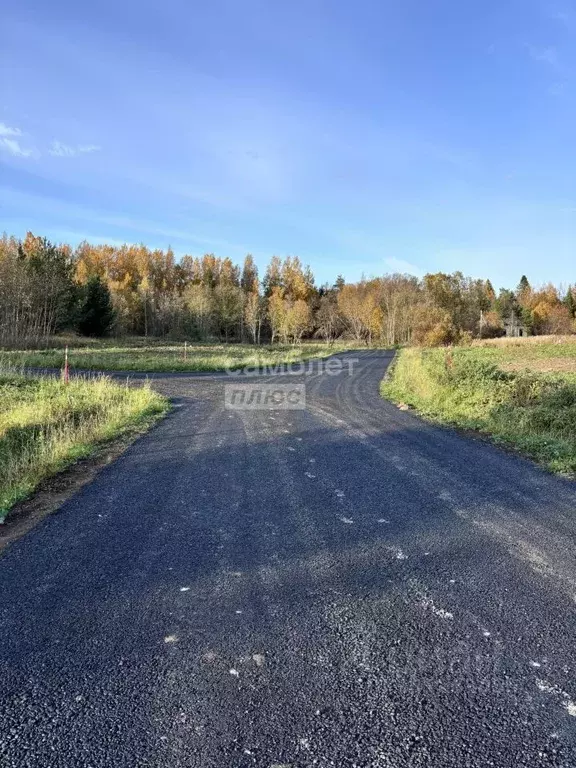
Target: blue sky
{"points": [[364, 137]]}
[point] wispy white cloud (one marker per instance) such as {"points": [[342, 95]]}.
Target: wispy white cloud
{"points": [[11, 145], [403, 267], [6, 130], [557, 89], [58, 149], [14, 148], [10, 142], [547, 55], [565, 16]]}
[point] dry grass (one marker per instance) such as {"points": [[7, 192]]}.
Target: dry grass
{"points": [[531, 405], [151, 355], [542, 354], [542, 365], [45, 425], [524, 342]]}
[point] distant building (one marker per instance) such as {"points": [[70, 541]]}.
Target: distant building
{"points": [[514, 327]]}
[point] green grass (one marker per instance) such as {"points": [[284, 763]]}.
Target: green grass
{"points": [[525, 352], [46, 425], [153, 356], [467, 387]]}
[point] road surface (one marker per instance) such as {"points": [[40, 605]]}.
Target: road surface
{"points": [[342, 585]]}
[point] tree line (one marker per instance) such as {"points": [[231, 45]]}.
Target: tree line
{"points": [[131, 289]]}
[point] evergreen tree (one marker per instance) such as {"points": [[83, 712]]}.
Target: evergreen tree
{"points": [[570, 302], [96, 313], [506, 304], [527, 319], [340, 283], [523, 289]]}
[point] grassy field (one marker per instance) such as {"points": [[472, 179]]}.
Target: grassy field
{"points": [[147, 355], [45, 425], [546, 354], [517, 392]]}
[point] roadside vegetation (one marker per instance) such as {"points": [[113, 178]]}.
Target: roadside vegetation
{"points": [[45, 425], [145, 355], [515, 391]]}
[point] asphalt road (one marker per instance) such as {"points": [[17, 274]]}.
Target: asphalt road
{"points": [[342, 585]]}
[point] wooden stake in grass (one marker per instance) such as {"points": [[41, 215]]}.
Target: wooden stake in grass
{"points": [[66, 371], [185, 350]]}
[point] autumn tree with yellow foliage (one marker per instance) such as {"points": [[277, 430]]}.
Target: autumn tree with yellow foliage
{"points": [[209, 298]]}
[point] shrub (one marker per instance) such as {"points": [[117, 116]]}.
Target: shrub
{"points": [[96, 313], [433, 327]]}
